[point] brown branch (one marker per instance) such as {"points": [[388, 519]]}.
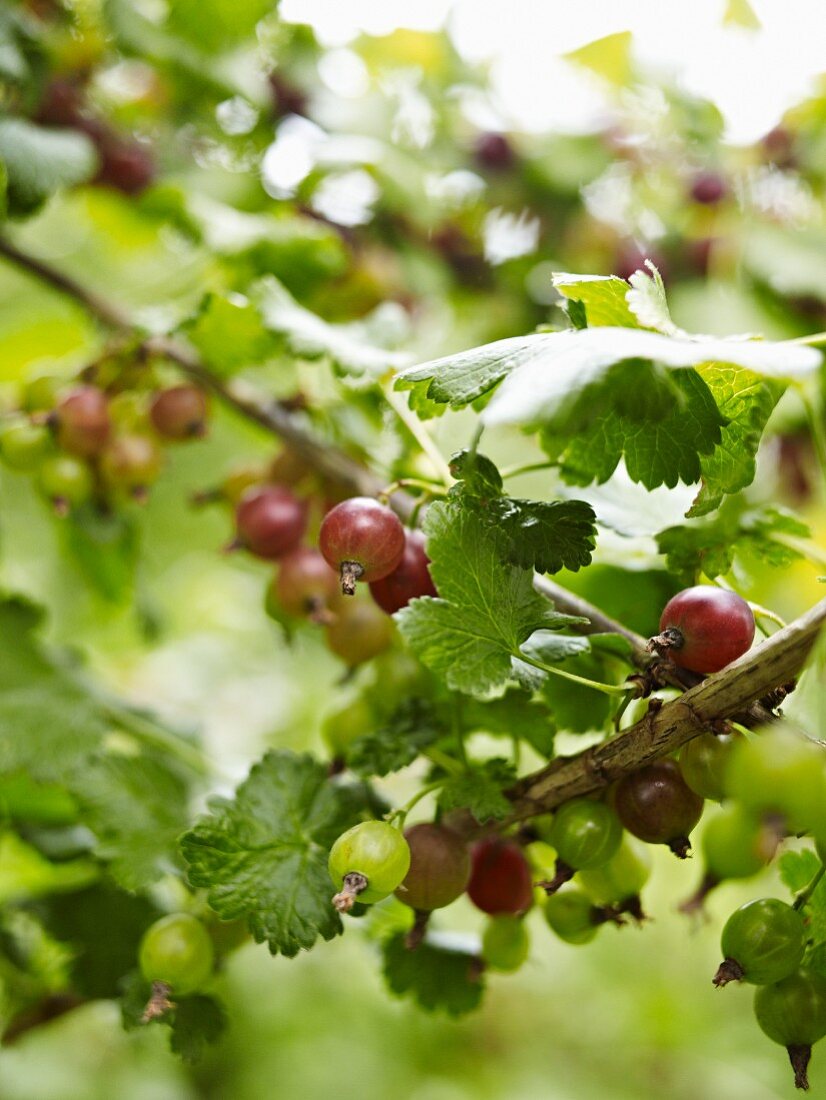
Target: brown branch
{"points": [[106, 312], [727, 693]]}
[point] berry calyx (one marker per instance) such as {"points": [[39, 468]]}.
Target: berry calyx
{"points": [[585, 834], [82, 421], [439, 867], [792, 1012], [762, 942], [410, 579], [359, 633], [362, 540], [656, 805], [180, 413], [305, 585], [500, 877], [176, 955], [367, 863], [703, 629], [270, 521], [574, 918]]}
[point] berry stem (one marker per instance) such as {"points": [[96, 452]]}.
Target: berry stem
{"points": [[445, 762], [350, 572], [420, 434], [805, 895], [399, 816], [353, 884], [417, 933], [562, 873], [606, 689]]}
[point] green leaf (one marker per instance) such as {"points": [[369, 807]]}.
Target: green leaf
{"points": [[605, 298], [438, 978], [544, 535], [577, 708], [456, 380], [746, 401], [137, 808], [308, 335], [656, 452], [545, 385], [549, 648], [398, 741], [229, 333], [39, 161], [647, 301], [49, 719], [486, 610], [479, 476], [197, 1023], [480, 791], [263, 855]]}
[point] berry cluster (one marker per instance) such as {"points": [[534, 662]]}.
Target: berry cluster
{"points": [[359, 539], [772, 787], [93, 444]]}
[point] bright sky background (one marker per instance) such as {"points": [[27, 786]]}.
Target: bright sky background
{"points": [[751, 75]]}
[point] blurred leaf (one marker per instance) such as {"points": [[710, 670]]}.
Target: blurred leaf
{"points": [[310, 336], [217, 25], [797, 869], [608, 57], [575, 707], [438, 979], [515, 714], [479, 790], [106, 547], [137, 807], [397, 742], [25, 874], [39, 161], [230, 334], [263, 855], [739, 13], [197, 1023]]}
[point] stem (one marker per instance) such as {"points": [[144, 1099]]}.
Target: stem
{"points": [[158, 737], [106, 312], [476, 439], [804, 897], [443, 761], [420, 434], [431, 488], [527, 468], [815, 340], [606, 689], [399, 816]]}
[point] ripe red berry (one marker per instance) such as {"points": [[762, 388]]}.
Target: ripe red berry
{"points": [[125, 164], [493, 151], [704, 628], [439, 867], [305, 584], [82, 421], [656, 805], [180, 412], [362, 540], [500, 877], [132, 463], [270, 521], [410, 578]]}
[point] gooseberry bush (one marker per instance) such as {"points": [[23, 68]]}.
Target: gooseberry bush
{"points": [[470, 601]]}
